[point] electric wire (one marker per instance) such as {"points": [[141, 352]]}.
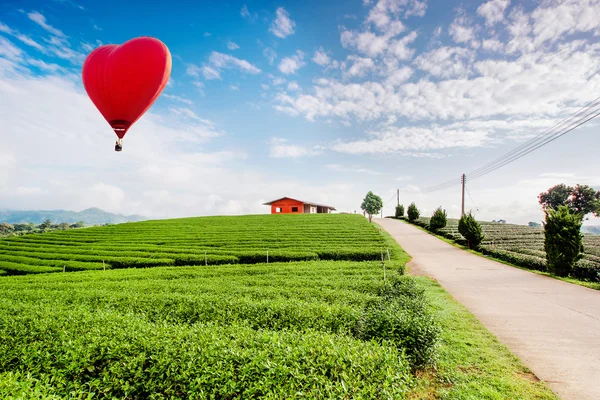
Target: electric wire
{"points": [[584, 115]]}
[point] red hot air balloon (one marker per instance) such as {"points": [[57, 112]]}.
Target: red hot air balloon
{"points": [[124, 81]]}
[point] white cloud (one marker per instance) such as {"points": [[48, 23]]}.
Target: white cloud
{"points": [[492, 45], [399, 76], [360, 66], [9, 50], [461, 30], [414, 141], [19, 36], [177, 98], [220, 60], [234, 88], [277, 80], [282, 26], [193, 70], [210, 73], [289, 65], [321, 57], [232, 46], [280, 148], [493, 11], [39, 19], [553, 20], [246, 14], [270, 54], [293, 86], [374, 45], [446, 62], [352, 170]]}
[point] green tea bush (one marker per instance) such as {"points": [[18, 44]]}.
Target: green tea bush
{"points": [[399, 211], [401, 316], [438, 219], [471, 230], [563, 240], [413, 212]]}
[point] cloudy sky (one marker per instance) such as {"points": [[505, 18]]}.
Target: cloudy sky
{"points": [[318, 100]]}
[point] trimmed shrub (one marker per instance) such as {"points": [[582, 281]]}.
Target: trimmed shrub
{"points": [[413, 212], [471, 230], [563, 240], [438, 219], [399, 211]]}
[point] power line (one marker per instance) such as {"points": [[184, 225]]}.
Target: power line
{"points": [[471, 197], [549, 135]]}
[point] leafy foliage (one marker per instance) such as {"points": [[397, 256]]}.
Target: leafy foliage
{"points": [[438, 219], [580, 199], [412, 212], [399, 211], [563, 243], [371, 204], [471, 230]]}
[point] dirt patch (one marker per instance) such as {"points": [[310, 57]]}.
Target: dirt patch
{"points": [[415, 269], [530, 376]]}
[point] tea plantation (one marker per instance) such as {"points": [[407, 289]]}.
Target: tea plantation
{"points": [[194, 241], [321, 322], [524, 246]]}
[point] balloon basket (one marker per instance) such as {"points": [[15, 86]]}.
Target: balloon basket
{"points": [[119, 145]]}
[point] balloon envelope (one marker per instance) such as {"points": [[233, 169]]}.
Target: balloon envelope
{"points": [[124, 81]]}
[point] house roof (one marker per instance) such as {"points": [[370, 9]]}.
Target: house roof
{"points": [[310, 203]]}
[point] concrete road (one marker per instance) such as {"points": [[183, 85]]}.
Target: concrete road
{"points": [[551, 325]]}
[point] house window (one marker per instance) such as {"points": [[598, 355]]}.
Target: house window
{"points": [[294, 209], [277, 209]]}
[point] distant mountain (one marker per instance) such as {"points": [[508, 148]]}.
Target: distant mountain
{"points": [[91, 216], [594, 229]]}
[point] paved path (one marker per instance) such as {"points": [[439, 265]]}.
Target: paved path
{"points": [[551, 325]]}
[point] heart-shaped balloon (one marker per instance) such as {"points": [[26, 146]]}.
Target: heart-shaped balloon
{"points": [[124, 81]]}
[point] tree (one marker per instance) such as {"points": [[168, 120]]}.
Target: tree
{"points": [[45, 225], [555, 196], [399, 211], [438, 219], [580, 199], [585, 200], [563, 240], [532, 224], [63, 226], [6, 228], [371, 204], [471, 230], [413, 212]]}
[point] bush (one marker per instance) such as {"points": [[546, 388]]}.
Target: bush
{"points": [[399, 211], [471, 230], [402, 316], [563, 240], [438, 219], [413, 212]]}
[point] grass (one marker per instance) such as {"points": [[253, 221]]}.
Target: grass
{"points": [[472, 363], [589, 285]]}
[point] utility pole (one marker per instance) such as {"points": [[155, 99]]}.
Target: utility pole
{"points": [[398, 195], [463, 180]]}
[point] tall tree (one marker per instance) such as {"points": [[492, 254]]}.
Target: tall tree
{"points": [[371, 204], [563, 241], [580, 199]]}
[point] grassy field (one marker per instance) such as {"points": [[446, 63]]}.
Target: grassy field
{"points": [[301, 329], [524, 246], [194, 241]]}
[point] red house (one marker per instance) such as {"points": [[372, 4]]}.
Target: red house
{"points": [[287, 205]]}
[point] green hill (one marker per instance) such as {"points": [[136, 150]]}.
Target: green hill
{"points": [[195, 241], [91, 216]]}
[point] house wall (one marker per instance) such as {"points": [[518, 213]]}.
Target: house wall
{"points": [[286, 206]]}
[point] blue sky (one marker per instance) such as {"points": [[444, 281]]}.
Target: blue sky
{"points": [[320, 100]]}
